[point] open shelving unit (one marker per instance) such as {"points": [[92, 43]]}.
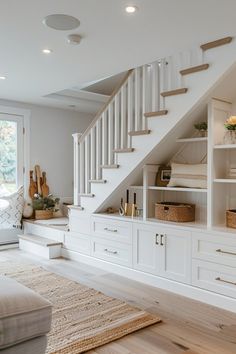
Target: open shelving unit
{"points": [[220, 194]]}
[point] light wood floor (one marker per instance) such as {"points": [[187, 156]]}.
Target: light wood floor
{"points": [[188, 326]]}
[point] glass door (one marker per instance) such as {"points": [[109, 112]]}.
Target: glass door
{"points": [[11, 153]]}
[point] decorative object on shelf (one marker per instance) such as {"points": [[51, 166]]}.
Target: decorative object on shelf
{"points": [[111, 210], [188, 175], [177, 212], [128, 206], [232, 173], [201, 128], [44, 207], [230, 134], [32, 185], [44, 187], [121, 208], [163, 176], [134, 206], [231, 218], [28, 210]]}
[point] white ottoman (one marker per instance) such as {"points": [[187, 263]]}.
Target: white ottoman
{"points": [[23, 314]]}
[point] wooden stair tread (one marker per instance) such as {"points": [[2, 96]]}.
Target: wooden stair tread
{"points": [[216, 43], [194, 69], [123, 150], [162, 112], [39, 240], [97, 181], [174, 92], [110, 166], [87, 195], [77, 207], [139, 132]]}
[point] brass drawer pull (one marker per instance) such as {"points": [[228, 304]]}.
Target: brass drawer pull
{"points": [[225, 252], [111, 252], [110, 230], [225, 281]]}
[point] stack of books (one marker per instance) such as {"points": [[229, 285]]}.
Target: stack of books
{"points": [[232, 172]]}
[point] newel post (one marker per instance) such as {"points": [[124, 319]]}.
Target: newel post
{"points": [[76, 137]]}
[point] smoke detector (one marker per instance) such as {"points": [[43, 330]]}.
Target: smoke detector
{"points": [[74, 39]]}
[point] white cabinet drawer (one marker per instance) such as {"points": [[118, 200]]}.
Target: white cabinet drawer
{"points": [[114, 252], [79, 224], [78, 242], [120, 231], [214, 277], [214, 249]]}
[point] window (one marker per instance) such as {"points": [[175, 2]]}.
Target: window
{"points": [[11, 153]]}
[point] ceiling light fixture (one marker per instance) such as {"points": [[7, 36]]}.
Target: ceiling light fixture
{"points": [[47, 51], [131, 9], [2, 77], [61, 22]]}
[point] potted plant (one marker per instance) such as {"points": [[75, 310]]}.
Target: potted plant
{"points": [[202, 128], [44, 206], [230, 135]]}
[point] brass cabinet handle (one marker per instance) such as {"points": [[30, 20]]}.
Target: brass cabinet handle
{"points": [[225, 281], [111, 252], [110, 230], [162, 236], [157, 239], [225, 252]]}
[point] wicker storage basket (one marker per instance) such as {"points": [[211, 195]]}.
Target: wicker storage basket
{"points": [[177, 212], [43, 214], [231, 218]]}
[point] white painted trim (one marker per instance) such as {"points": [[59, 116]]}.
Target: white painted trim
{"points": [[25, 113], [189, 291]]}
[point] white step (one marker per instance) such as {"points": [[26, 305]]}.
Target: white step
{"points": [[41, 246]]}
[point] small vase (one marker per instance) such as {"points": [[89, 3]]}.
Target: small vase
{"points": [[229, 137], [203, 133]]}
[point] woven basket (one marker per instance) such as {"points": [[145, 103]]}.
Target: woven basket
{"points": [[231, 218], [177, 212], [43, 214]]}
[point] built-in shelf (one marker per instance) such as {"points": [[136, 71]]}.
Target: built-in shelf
{"points": [[191, 140], [225, 180], [136, 187], [178, 189], [224, 146]]}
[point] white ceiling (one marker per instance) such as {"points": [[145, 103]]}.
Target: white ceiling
{"points": [[113, 41]]}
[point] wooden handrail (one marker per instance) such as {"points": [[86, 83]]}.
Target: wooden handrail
{"points": [[100, 112]]}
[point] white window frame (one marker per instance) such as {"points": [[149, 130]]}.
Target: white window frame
{"points": [[22, 117]]}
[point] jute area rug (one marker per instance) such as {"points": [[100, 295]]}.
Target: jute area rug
{"points": [[83, 318]]}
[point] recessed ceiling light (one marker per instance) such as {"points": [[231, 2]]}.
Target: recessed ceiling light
{"points": [[47, 51], [61, 22], [131, 9], [2, 77]]}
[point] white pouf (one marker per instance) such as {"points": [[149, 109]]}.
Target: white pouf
{"points": [[23, 313]]}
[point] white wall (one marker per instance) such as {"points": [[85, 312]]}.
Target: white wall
{"points": [[51, 143]]}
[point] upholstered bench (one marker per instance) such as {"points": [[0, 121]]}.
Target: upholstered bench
{"points": [[24, 315]]}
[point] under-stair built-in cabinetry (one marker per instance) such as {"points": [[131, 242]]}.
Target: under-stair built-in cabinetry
{"points": [[162, 251]]}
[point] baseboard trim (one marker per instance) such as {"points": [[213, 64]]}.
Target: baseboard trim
{"points": [[189, 291]]}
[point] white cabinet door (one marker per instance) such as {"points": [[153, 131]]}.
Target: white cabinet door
{"points": [[175, 247], [146, 251]]}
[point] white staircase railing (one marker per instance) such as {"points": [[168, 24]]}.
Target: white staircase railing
{"points": [[139, 93]]}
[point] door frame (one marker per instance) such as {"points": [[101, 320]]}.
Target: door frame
{"points": [[24, 115]]}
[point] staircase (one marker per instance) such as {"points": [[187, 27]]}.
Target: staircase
{"points": [[147, 105]]}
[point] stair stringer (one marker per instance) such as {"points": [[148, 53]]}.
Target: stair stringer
{"points": [[200, 85]]}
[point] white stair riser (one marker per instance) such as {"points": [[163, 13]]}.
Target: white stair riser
{"points": [[44, 231], [49, 252]]}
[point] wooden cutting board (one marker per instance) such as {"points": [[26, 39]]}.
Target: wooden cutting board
{"points": [[32, 185], [38, 176], [44, 187]]}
